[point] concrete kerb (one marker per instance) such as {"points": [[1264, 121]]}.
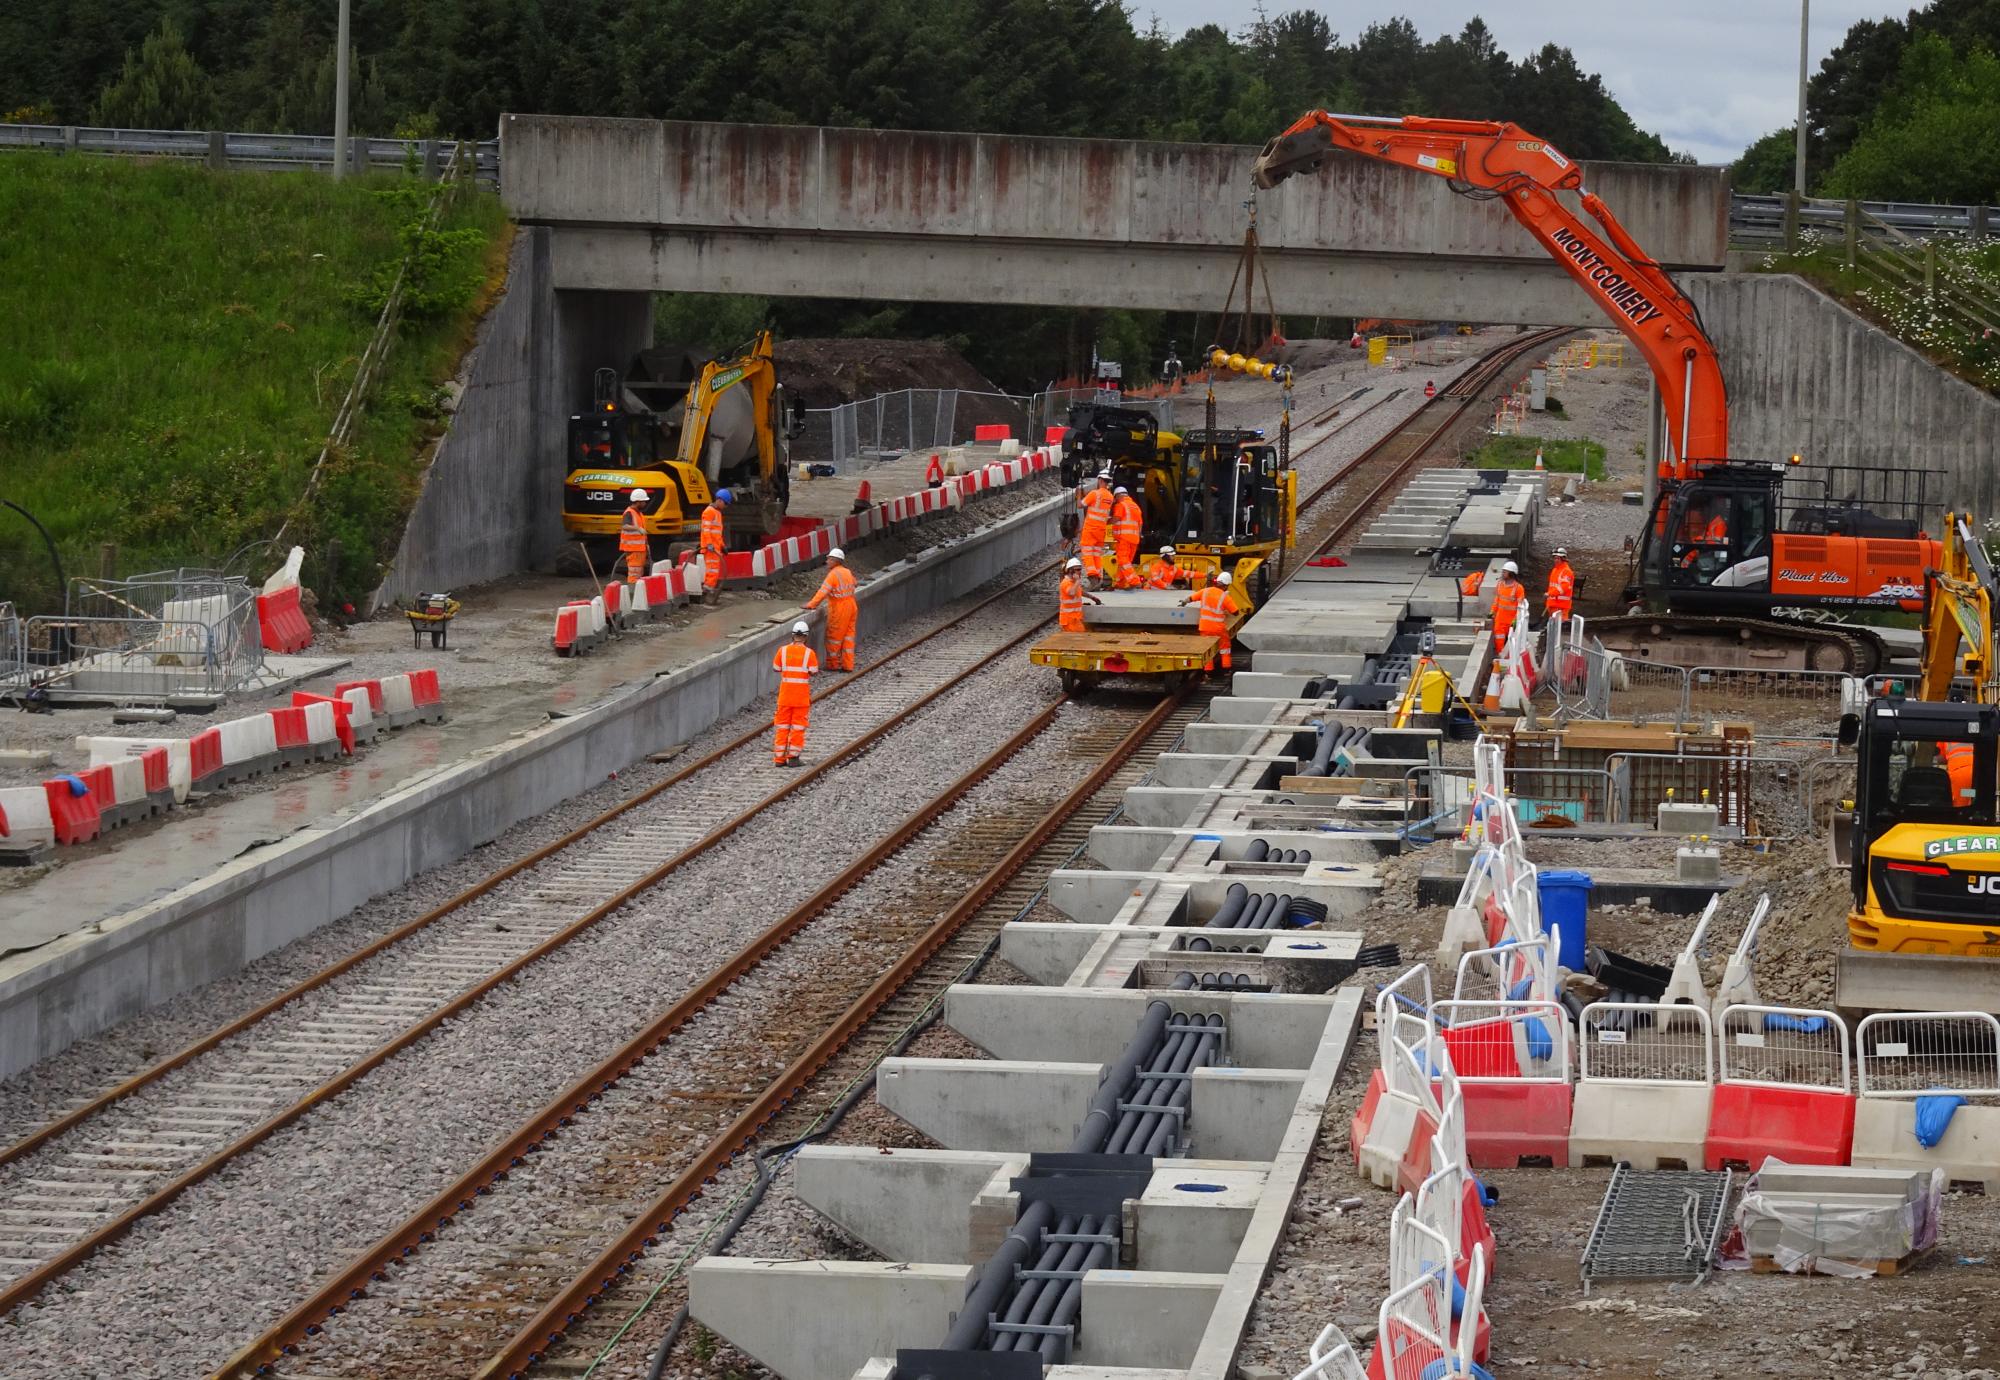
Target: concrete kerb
{"points": [[83, 982]]}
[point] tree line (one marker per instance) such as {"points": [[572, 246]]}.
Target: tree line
{"points": [[1038, 67], [1902, 110], [1057, 67]]}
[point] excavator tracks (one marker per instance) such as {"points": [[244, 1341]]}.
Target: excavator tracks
{"points": [[1679, 639]]}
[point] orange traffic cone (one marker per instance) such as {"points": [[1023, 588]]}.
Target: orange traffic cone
{"points": [[1494, 679], [1538, 457]]}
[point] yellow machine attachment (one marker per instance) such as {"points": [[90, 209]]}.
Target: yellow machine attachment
{"points": [[1923, 838]]}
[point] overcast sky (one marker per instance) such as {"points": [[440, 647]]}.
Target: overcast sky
{"points": [[1708, 76]]}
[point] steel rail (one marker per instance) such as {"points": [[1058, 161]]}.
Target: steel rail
{"points": [[152, 1073], [24, 1288], [306, 1319]]}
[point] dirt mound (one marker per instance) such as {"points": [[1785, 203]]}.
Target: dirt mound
{"points": [[828, 372]]}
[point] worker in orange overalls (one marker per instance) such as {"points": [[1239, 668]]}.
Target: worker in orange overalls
{"points": [[1097, 505], [796, 666], [1509, 597], [837, 592], [1561, 596], [1127, 522], [1163, 573], [1957, 761], [934, 474], [632, 537], [712, 546], [1070, 596], [1216, 606]]}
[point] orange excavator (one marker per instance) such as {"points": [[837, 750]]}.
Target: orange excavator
{"points": [[1733, 546]]}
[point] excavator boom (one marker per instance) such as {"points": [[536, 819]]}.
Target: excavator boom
{"points": [[1493, 158]]}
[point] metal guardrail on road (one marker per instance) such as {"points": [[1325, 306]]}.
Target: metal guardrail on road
{"points": [[270, 151]]}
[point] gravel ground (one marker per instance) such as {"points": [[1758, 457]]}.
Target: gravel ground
{"points": [[560, 1190], [189, 1291]]}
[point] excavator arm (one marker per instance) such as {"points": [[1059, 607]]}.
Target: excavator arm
{"points": [[1488, 158], [1958, 609]]}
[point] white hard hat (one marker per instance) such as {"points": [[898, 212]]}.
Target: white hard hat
{"points": [[1166, 551], [836, 554], [799, 629], [1104, 475], [1074, 564], [640, 495], [1223, 578], [1121, 489], [1562, 553], [1510, 569]]}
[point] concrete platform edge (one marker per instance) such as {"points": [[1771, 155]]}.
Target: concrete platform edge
{"points": [[85, 981]]}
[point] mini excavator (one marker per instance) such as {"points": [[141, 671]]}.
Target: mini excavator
{"points": [[1731, 543]]}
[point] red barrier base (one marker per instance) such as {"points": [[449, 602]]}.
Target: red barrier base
{"points": [[1511, 1124], [1357, 1131], [1748, 1122]]}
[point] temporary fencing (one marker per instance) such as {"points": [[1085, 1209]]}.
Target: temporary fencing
{"points": [[1786, 1088], [1645, 1078], [1930, 1094]]}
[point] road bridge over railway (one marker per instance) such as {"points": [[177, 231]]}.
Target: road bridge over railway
{"points": [[649, 205]]}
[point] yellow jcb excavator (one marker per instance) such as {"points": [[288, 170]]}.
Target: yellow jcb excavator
{"points": [[732, 430], [1923, 840]]}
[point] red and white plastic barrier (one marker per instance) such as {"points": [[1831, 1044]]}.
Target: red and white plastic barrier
{"points": [[1785, 1088], [27, 826], [1513, 1063], [1905, 1057], [249, 746], [1400, 1111], [574, 633]]}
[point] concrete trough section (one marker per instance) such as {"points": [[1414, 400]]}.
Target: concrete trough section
{"points": [[86, 981], [1195, 1237]]}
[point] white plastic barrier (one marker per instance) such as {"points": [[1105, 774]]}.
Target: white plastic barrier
{"points": [[25, 822], [1401, 1110], [1906, 1056], [360, 713], [179, 774], [249, 745], [1644, 1086], [397, 702], [322, 726]]}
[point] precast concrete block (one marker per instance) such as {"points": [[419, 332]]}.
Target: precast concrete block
{"points": [[1676, 818], [1698, 863], [1140, 1318], [1168, 806], [1263, 1029], [1239, 709], [1239, 1113], [1132, 848], [904, 1204], [1272, 685], [822, 1319], [1218, 768], [1654, 1125], [990, 1104], [1098, 897], [1320, 666], [1885, 1137], [1235, 738], [1049, 954], [1193, 1214]]}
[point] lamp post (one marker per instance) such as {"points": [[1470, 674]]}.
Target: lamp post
{"points": [[1799, 160], [341, 99]]}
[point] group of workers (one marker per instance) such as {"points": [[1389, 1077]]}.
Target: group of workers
{"points": [[634, 546], [1510, 596], [1109, 541]]}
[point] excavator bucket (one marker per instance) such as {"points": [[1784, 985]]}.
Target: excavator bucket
{"points": [[1297, 152]]}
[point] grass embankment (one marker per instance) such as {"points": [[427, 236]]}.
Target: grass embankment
{"points": [[1518, 453], [1968, 269], [177, 344]]}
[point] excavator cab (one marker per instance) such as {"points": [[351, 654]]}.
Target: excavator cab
{"points": [[1232, 491], [1140, 456]]}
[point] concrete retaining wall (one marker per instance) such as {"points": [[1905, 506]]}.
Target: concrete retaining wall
{"points": [[491, 503], [83, 983], [1807, 376]]}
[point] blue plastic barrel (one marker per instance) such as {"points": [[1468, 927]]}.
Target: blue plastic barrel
{"points": [[1565, 900]]}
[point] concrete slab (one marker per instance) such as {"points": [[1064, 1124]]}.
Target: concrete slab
{"points": [[903, 1204], [991, 1104], [1044, 1023], [1242, 1114], [1144, 1319], [859, 1309]]}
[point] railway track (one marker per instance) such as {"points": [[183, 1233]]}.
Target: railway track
{"points": [[86, 1178], [700, 1083], [154, 1136]]}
